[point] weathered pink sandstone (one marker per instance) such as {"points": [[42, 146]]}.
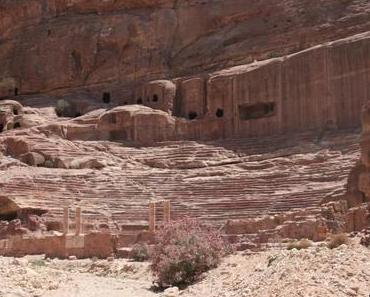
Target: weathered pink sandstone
{"points": [[242, 114], [61, 47]]}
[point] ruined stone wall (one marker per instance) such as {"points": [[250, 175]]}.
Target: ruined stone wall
{"points": [[96, 244], [86, 47]]}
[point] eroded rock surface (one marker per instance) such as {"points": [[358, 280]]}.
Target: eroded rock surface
{"points": [[85, 43], [268, 188], [242, 114]]}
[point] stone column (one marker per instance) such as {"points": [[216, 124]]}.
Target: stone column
{"points": [[66, 220], [78, 221], [167, 211], [152, 216]]}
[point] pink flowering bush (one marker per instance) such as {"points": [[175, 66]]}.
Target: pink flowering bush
{"points": [[184, 250]]}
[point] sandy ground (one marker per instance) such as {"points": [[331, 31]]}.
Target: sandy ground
{"points": [[36, 276], [93, 286], [316, 271]]}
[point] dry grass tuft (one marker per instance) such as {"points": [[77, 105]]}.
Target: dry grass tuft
{"points": [[336, 240], [299, 244]]}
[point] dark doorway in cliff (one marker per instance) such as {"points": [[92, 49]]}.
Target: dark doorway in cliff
{"points": [[76, 63], [15, 111], [8, 209], [256, 111], [192, 115], [139, 101], [12, 212], [106, 97], [155, 98], [220, 113], [8, 216], [1, 128], [77, 114], [17, 125], [15, 91]]}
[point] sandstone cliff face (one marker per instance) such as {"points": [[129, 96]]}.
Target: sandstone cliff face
{"points": [[320, 89], [134, 73], [50, 45], [359, 179]]}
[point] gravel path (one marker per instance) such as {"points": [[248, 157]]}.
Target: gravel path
{"points": [[94, 286]]}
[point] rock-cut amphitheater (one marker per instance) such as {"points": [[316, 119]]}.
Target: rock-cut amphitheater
{"points": [[118, 115]]}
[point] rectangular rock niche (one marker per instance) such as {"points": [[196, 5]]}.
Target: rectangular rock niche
{"points": [[256, 111]]}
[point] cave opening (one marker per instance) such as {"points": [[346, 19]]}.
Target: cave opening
{"points": [[139, 101], [10, 216], [155, 98], [106, 97], [220, 113], [256, 111], [17, 125], [20, 213], [8, 209], [1, 128], [192, 115], [15, 91], [15, 111]]}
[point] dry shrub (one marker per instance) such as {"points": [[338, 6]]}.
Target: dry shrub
{"points": [[62, 108], [300, 244], [185, 249], [38, 262], [66, 108], [336, 240], [140, 252], [365, 241]]}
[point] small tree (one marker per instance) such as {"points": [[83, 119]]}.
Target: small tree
{"points": [[184, 250]]}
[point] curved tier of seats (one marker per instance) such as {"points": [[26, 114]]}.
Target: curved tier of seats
{"points": [[215, 181]]}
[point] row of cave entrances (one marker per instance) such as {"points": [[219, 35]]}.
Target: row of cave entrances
{"points": [[192, 115], [107, 99], [246, 111]]}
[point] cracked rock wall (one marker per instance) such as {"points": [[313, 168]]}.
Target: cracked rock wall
{"points": [[64, 46]]}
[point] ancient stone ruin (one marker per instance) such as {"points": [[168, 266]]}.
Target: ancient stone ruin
{"points": [[116, 116]]}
